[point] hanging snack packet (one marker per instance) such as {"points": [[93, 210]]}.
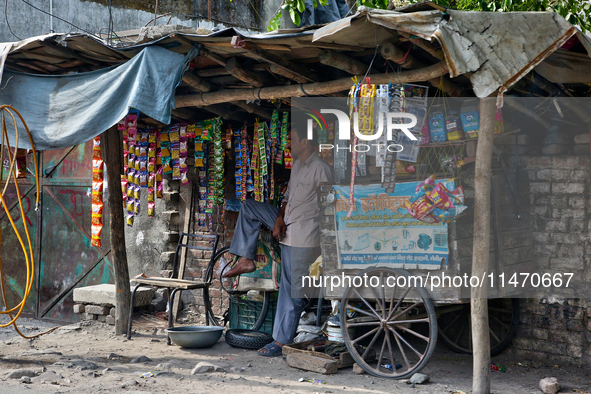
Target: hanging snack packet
{"points": [[151, 209], [130, 175], [136, 207], [166, 165], [130, 219], [190, 131], [439, 197], [159, 190], [150, 194], [136, 192], [152, 180], [130, 201]]}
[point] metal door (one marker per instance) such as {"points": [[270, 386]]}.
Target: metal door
{"points": [[64, 258]]}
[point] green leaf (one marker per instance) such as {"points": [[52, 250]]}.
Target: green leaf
{"points": [[368, 4], [301, 6], [315, 3], [295, 17], [324, 3]]}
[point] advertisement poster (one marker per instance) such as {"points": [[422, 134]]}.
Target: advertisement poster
{"points": [[379, 230]]}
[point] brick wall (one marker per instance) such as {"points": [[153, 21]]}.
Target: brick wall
{"points": [[558, 331]]}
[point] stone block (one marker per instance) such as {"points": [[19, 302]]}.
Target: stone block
{"points": [[87, 316], [539, 187], [515, 150], [568, 188], [112, 311], [110, 320], [549, 385], [105, 295], [167, 258], [102, 318], [522, 139], [172, 217], [172, 196], [172, 186], [548, 174], [582, 139], [97, 309], [581, 149], [171, 236], [78, 308], [555, 149]]}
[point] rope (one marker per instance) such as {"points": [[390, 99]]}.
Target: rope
{"points": [[29, 256]]}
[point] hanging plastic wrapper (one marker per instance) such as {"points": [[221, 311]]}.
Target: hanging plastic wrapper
{"points": [[97, 193]]}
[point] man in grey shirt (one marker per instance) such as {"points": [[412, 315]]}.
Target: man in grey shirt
{"points": [[296, 226]]}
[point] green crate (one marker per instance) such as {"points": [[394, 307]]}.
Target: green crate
{"points": [[243, 315]]}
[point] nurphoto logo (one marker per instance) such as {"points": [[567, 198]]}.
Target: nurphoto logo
{"points": [[344, 129]]}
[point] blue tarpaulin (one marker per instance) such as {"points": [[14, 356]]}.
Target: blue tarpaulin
{"points": [[63, 111]]}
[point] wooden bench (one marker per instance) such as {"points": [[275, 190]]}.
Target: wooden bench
{"points": [[174, 284]]}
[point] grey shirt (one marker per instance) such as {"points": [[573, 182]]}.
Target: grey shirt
{"points": [[302, 212]]}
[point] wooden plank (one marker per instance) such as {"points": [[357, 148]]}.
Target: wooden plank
{"points": [[170, 282], [183, 257], [312, 363]]}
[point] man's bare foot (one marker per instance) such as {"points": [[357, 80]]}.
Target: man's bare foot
{"points": [[244, 266]]}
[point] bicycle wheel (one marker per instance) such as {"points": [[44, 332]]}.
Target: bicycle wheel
{"points": [[221, 295]]}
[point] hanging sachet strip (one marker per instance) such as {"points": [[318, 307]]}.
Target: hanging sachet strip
{"points": [[246, 177], [97, 193]]}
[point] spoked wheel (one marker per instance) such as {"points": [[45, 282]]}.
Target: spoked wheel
{"points": [[388, 322], [220, 296], [455, 325]]}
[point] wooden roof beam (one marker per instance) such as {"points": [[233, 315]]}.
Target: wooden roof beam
{"points": [[247, 76], [69, 53], [342, 62], [254, 109], [406, 60], [212, 56], [310, 89], [298, 73], [196, 82]]}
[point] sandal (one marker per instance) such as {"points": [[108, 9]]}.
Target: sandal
{"points": [[273, 350]]}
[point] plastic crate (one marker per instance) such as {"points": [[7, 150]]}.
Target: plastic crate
{"points": [[243, 315]]}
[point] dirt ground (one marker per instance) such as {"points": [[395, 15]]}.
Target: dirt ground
{"points": [[87, 357]]}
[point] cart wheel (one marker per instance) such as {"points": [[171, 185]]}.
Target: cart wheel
{"points": [[455, 325], [217, 307], [387, 325]]}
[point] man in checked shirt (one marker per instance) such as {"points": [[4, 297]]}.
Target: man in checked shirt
{"points": [[297, 227]]}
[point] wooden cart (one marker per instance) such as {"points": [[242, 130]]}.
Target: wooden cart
{"points": [[402, 323]]}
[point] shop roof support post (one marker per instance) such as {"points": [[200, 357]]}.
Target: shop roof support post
{"points": [[480, 251], [113, 157]]}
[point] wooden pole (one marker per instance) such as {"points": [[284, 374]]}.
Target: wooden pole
{"points": [[480, 251], [309, 89], [113, 158]]}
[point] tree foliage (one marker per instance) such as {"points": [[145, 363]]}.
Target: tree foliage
{"points": [[576, 12]]}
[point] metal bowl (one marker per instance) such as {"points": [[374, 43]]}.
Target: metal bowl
{"points": [[193, 337]]}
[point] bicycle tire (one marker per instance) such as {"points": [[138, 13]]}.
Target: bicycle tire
{"points": [[247, 339], [215, 282]]}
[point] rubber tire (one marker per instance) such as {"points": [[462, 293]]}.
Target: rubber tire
{"points": [[247, 339], [209, 277], [430, 310]]}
